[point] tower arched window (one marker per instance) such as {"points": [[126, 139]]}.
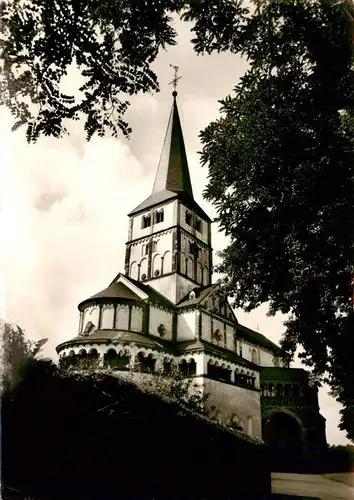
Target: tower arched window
{"points": [[287, 391], [254, 356], [198, 225], [145, 221], [272, 391], [188, 218], [194, 249], [295, 391], [280, 390], [144, 250], [222, 307], [159, 216]]}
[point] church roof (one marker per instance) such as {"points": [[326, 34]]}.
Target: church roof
{"points": [[115, 337], [152, 294], [120, 290], [242, 331], [156, 199], [283, 373], [257, 338], [202, 345], [201, 294], [172, 178], [173, 172], [116, 290]]}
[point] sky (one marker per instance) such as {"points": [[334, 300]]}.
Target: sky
{"points": [[64, 202]]}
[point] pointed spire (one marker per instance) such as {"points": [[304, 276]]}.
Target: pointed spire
{"points": [[173, 172], [172, 178]]}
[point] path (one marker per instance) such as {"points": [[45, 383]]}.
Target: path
{"points": [[313, 485]]}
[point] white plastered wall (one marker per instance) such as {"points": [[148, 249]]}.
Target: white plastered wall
{"points": [[267, 358], [170, 220], [91, 313], [186, 325], [136, 319], [158, 317]]}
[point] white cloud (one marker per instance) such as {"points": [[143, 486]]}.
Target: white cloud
{"points": [[62, 214]]}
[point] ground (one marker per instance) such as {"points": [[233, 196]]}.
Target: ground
{"points": [[315, 486]]}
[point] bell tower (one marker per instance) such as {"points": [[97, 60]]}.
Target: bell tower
{"points": [[169, 240]]}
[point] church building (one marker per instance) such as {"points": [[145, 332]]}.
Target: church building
{"points": [[165, 309]]}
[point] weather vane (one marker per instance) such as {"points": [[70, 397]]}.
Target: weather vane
{"points": [[176, 78]]}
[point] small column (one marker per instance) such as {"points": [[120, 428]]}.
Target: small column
{"points": [[100, 361], [127, 257], [232, 376], [250, 426], [197, 324], [201, 361], [81, 321], [205, 364], [132, 360], [159, 364], [150, 257]]}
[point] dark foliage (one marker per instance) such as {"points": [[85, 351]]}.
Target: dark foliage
{"points": [[113, 43], [67, 436], [281, 170], [339, 459], [17, 351], [335, 460]]}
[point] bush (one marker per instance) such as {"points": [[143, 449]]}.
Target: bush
{"points": [[96, 436], [339, 459]]}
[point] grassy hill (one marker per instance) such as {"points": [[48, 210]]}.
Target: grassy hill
{"points": [[95, 436]]}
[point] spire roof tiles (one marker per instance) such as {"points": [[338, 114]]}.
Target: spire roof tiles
{"points": [[172, 172], [172, 178]]}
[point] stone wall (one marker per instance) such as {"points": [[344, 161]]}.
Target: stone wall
{"points": [[235, 404], [203, 234], [187, 325], [267, 358]]}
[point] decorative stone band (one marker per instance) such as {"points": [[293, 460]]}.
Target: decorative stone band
{"points": [[122, 356], [281, 402]]}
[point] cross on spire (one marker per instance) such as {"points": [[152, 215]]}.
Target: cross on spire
{"points": [[175, 79]]}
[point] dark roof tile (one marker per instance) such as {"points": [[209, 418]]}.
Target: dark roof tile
{"points": [[172, 178], [153, 295], [277, 373], [202, 345], [257, 338], [116, 336], [114, 291], [201, 294]]}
